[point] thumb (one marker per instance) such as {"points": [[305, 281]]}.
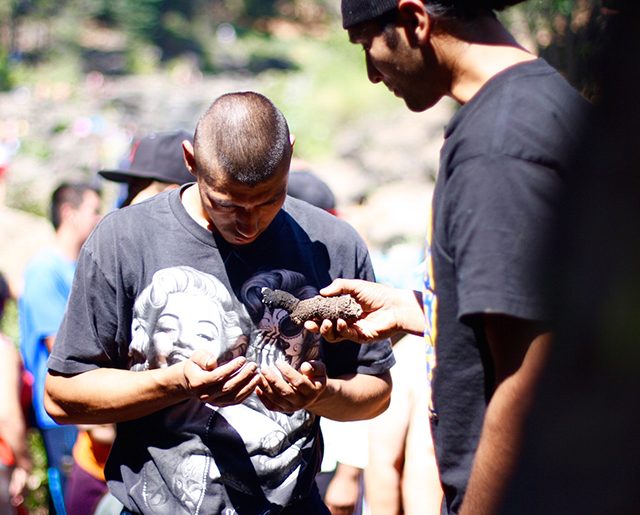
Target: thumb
{"points": [[204, 359], [313, 369], [335, 288]]}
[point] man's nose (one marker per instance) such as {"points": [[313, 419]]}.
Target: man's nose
{"points": [[372, 72], [248, 223]]}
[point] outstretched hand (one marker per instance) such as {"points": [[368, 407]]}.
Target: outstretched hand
{"points": [[385, 311], [224, 385], [296, 390]]}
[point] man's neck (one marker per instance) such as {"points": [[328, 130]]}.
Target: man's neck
{"points": [[67, 243], [193, 205], [484, 50]]}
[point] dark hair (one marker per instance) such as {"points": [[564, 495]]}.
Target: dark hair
{"points": [[244, 135], [67, 193], [4, 293]]}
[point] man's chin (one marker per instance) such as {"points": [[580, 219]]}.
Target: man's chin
{"points": [[418, 107], [241, 240]]}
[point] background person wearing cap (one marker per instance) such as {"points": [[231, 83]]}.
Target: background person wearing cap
{"points": [[156, 164], [488, 331]]}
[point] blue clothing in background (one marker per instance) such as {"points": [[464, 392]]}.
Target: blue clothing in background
{"points": [[47, 282]]}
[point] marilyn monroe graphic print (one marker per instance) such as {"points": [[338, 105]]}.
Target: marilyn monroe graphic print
{"points": [[243, 455]]}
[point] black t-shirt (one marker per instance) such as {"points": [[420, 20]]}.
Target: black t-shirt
{"points": [[496, 194], [151, 287]]}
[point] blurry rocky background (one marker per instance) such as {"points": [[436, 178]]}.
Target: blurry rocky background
{"points": [[81, 78]]}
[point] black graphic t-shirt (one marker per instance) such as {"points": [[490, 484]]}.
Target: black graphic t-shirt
{"points": [[151, 287]]}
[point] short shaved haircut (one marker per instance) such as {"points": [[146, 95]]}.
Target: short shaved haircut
{"points": [[242, 135]]}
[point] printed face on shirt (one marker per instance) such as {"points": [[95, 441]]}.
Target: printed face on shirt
{"points": [[280, 332], [186, 324], [181, 311]]}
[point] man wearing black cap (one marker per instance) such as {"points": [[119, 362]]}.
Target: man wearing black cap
{"points": [[505, 151], [156, 164]]}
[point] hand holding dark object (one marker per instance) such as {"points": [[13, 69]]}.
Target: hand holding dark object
{"points": [[315, 308], [385, 312]]}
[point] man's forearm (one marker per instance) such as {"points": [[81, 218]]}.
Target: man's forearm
{"points": [[503, 431], [357, 397], [107, 395]]}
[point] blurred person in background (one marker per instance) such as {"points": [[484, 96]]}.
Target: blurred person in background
{"points": [[75, 211], [15, 394], [402, 474], [155, 164]]}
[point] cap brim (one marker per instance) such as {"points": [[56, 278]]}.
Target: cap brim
{"points": [[123, 175]]}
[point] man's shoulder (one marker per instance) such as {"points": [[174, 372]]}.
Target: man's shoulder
{"points": [[527, 112], [132, 220], [309, 215], [47, 260]]}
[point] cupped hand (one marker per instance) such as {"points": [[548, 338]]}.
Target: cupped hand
{"points": [[224, 385], [296, 390]]}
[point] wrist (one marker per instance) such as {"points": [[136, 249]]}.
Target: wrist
{"points": [[325, 399], [410, 312]]}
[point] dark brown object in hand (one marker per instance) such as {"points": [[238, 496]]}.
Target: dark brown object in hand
{"points": [[315, 308]]}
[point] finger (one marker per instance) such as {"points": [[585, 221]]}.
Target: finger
{"points": [[312, 325], [236, 366], [337, 331], [245, 391], [247, 372], [327, 332], [287, 370], [296, 380], [336, 288], [204, 359], [235, 395], [222, 380], [267, 402], [276, 385], [313, 369], [277, 400]]}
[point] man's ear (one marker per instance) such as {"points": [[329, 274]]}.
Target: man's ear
{"points": [[416, 21], [67, 212], [292, 139], [189, 157]]}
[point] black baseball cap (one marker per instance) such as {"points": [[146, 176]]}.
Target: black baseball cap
{"points": [[159, 157], [355, 12]]}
